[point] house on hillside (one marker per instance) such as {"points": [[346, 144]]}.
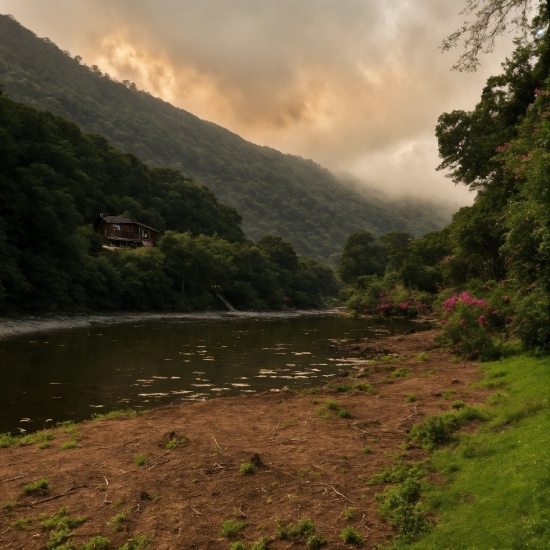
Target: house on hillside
{"points": [[121, 231]]}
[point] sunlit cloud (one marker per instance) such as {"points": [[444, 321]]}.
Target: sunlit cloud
{"points": [[356, 85]]}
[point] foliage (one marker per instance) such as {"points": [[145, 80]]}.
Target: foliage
{"points": [[305, 529], [298, 199], [55, 180], [231, 527], [351, 536], [39, 485]]}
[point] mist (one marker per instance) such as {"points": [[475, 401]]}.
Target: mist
{"points": [[354, 85]]}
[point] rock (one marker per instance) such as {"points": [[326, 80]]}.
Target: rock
{"points": [[256, 461]]}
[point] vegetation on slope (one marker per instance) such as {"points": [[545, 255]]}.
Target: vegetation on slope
{"points": [[277, 194], [55, 180]]}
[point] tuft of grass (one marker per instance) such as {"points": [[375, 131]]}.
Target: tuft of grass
{"points": [[410, 398], [401, 373], [24, 523], [246, 468], [96, 543], [447, 394], [174, 442], [362, 386], [120, 413], [39, 485], [344, 413], [231, 527], [323, 413], [422, 357], [305, 528], [261, 544], [137, 543], [367, 450], [349, 513], [117, 521], [332, 405], [350, 536], [238, 546], [458, 404], [61, 520], [9, 506], [140, 460], [68, 445]]}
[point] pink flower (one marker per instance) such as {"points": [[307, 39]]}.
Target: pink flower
{"points": [[482, 321], [404, 305], [444, 322]]}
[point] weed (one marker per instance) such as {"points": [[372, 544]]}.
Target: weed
{"points": [[246, 468], [362, 386], [238, 546], [435, 430], [401, 373], [401, 506], [96, 543], [410, 398], [261, 544], [117, 503], [275, 484], [9, 506], [366, 450], [40, 485], [61, 520], [289, 423], [322, 413], [447, 394], [22, 523], [397, 473], [140, 460], [350, 536], [8, 440], [305, 528], [333, 405], [68, 445], [428, 373], [301, 472], [458, 404], [174, 442], [315, 402], [343, 388], [455, 360], [121, 413], [117, 521], [231, 527], [390, 358], [349, 513], [315, 541], [422, 357], [137, 543], [44, 445], [344, 413]]}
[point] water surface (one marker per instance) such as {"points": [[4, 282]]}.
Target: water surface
{"points": [[71, 374]]}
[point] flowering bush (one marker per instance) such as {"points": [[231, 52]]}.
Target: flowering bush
{"points": [[474, 325]]}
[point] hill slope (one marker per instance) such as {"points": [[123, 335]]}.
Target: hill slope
{"points": [[275, 193]]}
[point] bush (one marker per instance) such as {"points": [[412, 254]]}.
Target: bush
{"points": [[350, 536], [231, 527]]}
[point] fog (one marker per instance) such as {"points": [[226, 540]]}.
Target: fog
{"points": [[356, 85]]}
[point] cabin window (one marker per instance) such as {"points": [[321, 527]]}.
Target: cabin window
{"points": [[144, 233], [116, 227]]}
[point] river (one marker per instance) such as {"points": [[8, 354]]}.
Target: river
{"points": [[72, 374]]}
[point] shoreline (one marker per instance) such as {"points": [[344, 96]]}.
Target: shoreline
{"points": [[18, 326], [309, 454]]}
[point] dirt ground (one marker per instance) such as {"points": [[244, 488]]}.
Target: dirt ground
{"points": [[313, 464]]}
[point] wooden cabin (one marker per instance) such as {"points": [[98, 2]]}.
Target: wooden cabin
{"points": [[121, 231]]}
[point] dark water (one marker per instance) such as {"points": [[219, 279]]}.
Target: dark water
{"points": [[69, 375]]}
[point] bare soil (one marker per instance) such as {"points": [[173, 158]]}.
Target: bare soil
{"points": [[312, 465]]}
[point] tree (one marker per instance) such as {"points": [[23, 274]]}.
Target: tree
{"points": [[362, 255], [492, 18]]}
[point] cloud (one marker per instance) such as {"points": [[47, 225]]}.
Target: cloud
{"points": [[357, 85]]}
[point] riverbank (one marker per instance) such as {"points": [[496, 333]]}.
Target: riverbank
{"points": [[317, 450], [46, 323]]}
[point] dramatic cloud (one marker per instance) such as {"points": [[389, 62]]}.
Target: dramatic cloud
{"points": [[357, 85]]}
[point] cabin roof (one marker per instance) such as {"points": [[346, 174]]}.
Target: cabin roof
{"points": [[122, 219]]}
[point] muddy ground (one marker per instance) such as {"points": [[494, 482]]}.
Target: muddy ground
{"points": [[312, 461]]}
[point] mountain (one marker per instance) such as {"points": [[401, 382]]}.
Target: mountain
{"points": [[275, 193]]}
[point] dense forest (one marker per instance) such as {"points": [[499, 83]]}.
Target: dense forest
{"points": [[487, 273], [275, 193], [56, 180]]}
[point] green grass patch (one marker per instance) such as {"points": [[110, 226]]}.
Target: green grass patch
{"points": [[497, 489], [10, 440], [117, 521], [68, 445], [37, 486], [137, 543], [119, 413], [304, 530], [422, 357], [362, 386], [177, 441], [140, 460], [401, 373], [246, 468], [351, 536], [24, 523], [410, 398], [231, 528]]}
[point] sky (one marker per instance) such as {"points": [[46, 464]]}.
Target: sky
{"points": [[356, 85]]}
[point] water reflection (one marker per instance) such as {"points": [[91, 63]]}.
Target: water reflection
{"points": [[73, 374]]}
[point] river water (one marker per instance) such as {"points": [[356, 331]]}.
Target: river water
{"points": [[72, 374]]}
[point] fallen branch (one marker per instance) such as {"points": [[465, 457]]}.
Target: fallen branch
{"points": [[337, 492], [58, 496], [217, 444]]}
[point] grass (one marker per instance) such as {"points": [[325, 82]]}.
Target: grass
{"points": [[422, 357], [410, 398], [349, 513], [401, 373], [23, 523], [333, 405], [120, 413], [140, 460], [174, 442], [10, 440], [68, 445], [366, 450], [305, 530], [344, 413], [39, 485], [231, 528], [496, 493], [246, 468], [117, 521]]}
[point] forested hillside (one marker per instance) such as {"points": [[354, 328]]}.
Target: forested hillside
{"points": [[275, 193], [55, 180]]}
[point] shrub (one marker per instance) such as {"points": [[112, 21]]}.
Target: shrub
{"points": [[68, 445], [238, 546], [344, 413], [435, 430], [350, 536], [348, 513], [231, 527], [117, 521], [140, 460], [96, 543]]}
